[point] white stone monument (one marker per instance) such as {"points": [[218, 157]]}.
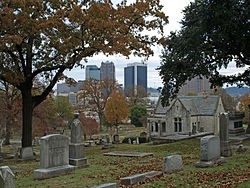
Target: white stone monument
{"points": [[209, 151], [54, 157]]}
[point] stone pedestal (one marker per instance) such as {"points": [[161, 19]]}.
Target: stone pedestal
{"points": [[76, 155], [26, 153], [76, 147], [225, 148]]}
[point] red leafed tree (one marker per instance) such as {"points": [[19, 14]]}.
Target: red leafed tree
{"points": [[90, 126]]}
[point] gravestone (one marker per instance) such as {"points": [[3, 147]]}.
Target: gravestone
{"points": [[108, 144], [172, 163], [116, 139], [7, 178], [225, 148], [106, 185], [27, 153], [54, 157], [130, 180], [129, 140], [137, 140], [107, 139], [209, 151], [76, 146]]}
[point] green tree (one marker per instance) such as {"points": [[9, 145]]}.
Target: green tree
{"points": [[40, 39], [63, 108], [137, 115], [214, 33]]}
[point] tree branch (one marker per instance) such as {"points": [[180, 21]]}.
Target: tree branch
{"points": [[36, 100]]}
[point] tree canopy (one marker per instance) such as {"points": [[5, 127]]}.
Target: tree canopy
{"points": [[138, 115], [95, 93], [116, 109], [214, 35], [40, 39]]}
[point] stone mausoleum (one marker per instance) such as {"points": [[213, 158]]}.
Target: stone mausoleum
{"points": [[186, 115]]}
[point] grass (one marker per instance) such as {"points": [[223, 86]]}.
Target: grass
{"points": [[235, 172]]}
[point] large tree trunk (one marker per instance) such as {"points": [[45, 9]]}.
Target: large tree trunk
{"points": [[27, 118]]}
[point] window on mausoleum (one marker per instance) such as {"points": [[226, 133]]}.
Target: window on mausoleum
{"points": [[237, 124], [156, 127], [177, 124], [164, 129]]}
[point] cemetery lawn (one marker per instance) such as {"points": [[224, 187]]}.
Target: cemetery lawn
{"points": [[235, 172]]}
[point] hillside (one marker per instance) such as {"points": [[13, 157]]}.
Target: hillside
{"points": [[235, 91]]}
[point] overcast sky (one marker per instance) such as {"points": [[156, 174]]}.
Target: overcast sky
{"points": [[173, 9]]}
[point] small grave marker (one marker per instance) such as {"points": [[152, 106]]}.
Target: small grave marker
{"points": [[172, 163]]}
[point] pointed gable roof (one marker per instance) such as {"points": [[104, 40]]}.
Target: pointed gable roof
{"points": [[197, 105]]}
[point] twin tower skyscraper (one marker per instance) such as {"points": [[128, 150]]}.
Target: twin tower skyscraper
{"points": [[135, 74]]}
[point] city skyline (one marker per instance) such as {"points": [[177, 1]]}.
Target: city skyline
{"points": [[174, 11]]}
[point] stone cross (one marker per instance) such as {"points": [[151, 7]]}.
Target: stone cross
{"points": [[76, 130]]}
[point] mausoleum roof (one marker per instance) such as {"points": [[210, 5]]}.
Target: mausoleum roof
{"points": [[196, 105]]}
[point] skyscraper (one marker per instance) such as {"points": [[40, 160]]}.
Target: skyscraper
{"points": [[107, 71], [92, 71], [135, 74], [196, 86]]}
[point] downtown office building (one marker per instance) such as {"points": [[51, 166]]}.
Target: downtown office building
{"points": [[107, 71], [92, 71], [135, 74]]}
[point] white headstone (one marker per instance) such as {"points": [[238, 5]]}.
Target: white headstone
{"points": [[209, 152], [209, 148], [54, 157]]}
